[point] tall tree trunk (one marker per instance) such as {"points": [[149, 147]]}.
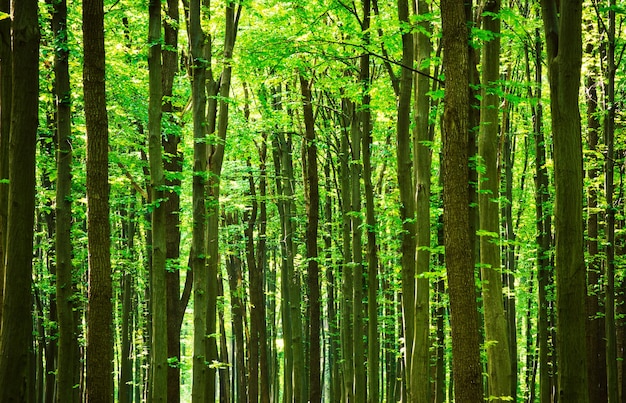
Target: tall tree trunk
{"points": [[199, 246], [420, 361], [496, 329], [609, 136], [215, 158], [67, 369], [99, 308], [312, 212], [16, 336], [563, 31], [407, 194], [174, 166], [596, 348], [5, 126], [467, 371], [158, 289]]}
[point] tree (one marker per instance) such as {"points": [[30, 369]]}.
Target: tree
{"points": [[99, 307], [68, 360], [5, 126], [158, 288], [496, 332], [16, 336], [563, 32], [198, 257], [420, 361], [312, 210], [466, 367]]}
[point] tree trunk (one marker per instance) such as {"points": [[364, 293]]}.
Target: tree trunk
{"points": [[16, 335], [562, 24], [199, 245], [67, 369], [407, 196], [496, 329], [99, 309], [312, 212], [158, 296], [596, 348], [173, 165], [420, 361], [5, 126], [467, 370], [609, 134]]}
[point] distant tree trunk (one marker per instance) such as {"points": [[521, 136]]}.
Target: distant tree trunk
{"points": [[67, 368], [466, 366], [199, 246], [347, 269], [16, 337], [99, 359], [5, 126], [312, 211], [373, 331], [215, 158], [609, 188], [496, 329], [158, 289], [238, 313], [261, 263], [173, 165], [563, 32], [125, 389], [596, 348], [407, 195], [420, 361], [543, 225]]}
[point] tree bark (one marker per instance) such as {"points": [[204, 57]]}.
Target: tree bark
{"points": [[562, 25], [5, 126], [67, 367], [467, 371], [496, 329], [199, 247], [158, 289], [99, 359], [312, 212], [16, 337], [420, 361]]}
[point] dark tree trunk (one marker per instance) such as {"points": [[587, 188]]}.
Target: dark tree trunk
{"points": [[99, 359], [467, 369], [16, 337], [67, 369], [5, 126], [563, 32]]}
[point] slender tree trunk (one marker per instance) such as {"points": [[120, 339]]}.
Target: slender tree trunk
{"points": [[126, 379], [99, 308], [173, 165], [5, 126], [467, 371], [407, 196], [596, 349], [67, 369], [312, 212], [158, 296], [609, 133], [496, 329], [562, 23], [16, 336], [199, 246], [420, 361]]}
